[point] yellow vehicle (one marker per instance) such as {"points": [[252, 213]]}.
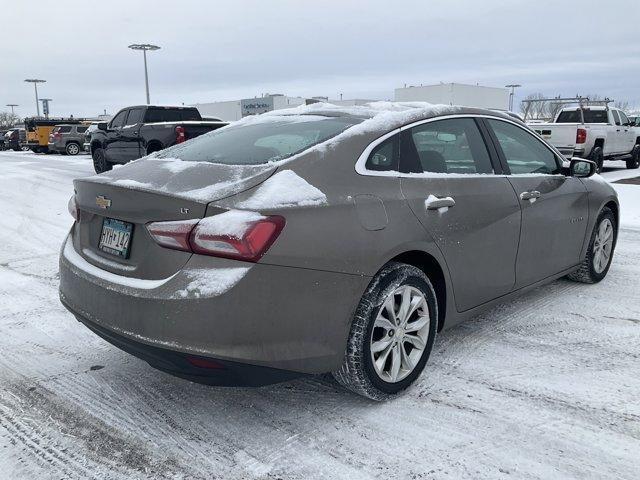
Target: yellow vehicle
{"points": [[38, 130]]}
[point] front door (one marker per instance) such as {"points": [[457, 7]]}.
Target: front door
{"points": [[130, 136], [554, 207], [113, 143], [471, 213]]}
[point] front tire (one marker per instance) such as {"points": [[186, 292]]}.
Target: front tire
{"points": [[392, 333], [72, 148], [597, 155], [600, 252], [634, 161], [100, 163]]}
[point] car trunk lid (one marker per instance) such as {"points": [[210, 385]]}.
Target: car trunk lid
{"points": [[151, 190]]}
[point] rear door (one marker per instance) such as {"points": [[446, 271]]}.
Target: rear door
{"points": [[478, 231], [554, 207]]}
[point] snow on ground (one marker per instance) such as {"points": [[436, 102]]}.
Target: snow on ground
{"points": [[543, 387]]}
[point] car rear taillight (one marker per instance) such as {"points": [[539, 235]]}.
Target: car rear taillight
{"points": [[173, 235], [581, 135], [180, 134], [189, 236], [73, 208]]}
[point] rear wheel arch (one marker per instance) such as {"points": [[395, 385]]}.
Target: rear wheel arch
{"points": [[599, 143], [434, 271], [154, 146]]}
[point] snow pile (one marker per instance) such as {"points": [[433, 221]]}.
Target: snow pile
{"points": [[629, 198], [129, 183], [232, 223], [209, 282], [433, 200], [284, 189]]}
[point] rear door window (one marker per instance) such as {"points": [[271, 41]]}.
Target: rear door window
{"points": [[65, 129], [616, 117], [524, 152], [450, 146], [81, 129]]}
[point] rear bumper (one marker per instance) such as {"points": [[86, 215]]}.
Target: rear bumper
{"points": [[277, 317], [194, 368]]}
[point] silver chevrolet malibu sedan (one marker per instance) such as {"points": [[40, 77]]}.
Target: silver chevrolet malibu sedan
{"points": [[324, 239]]}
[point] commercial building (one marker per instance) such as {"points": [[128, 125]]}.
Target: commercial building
{"points": [[456, 94], [236, 109]]}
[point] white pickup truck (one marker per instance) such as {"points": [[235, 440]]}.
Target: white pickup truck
{"points": [[596, 132]]}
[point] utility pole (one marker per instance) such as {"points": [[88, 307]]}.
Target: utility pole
{"points": [[513, 87], [144, 47], [35, 82]]}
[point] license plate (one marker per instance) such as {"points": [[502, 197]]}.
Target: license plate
{"points": [[116, 237]]}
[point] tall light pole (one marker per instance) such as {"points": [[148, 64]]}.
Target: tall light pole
{"points": [[35, 82], [513, 87], [12, 105], [144, 47]]}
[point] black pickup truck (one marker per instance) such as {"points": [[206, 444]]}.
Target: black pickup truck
{"points": [[140, 130]]}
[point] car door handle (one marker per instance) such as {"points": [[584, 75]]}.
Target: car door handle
{"points": [[434, 203], [532, 195]]}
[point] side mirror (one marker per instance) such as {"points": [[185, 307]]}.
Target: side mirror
{"points": [[582, 168], [102, 126]]}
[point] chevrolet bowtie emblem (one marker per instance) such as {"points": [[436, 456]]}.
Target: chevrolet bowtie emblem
{"points": [[103, 202]]}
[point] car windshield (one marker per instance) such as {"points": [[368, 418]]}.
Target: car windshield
{"points": [[267, 139]]}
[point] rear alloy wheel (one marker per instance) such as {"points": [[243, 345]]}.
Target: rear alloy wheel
{"points": [[72, 148], [597, 155], [600, 252], [634, 161], [392, 333], [100, 163]]}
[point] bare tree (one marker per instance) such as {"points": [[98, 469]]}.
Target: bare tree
{"points": [[8, 119], [622, 105], [534, 110]]}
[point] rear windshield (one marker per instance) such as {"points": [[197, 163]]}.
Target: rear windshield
{"points": [[171, 115], [590, 116], [266, 140]]}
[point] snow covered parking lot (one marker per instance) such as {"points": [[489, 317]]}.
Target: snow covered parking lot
{"points": [[547, 386]]}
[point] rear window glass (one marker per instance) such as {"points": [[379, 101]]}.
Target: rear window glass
{"points": [[170, 115], [261, 142], [590, 116]]}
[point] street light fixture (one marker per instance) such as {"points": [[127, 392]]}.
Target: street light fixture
{"points": [[35, 82], [12, 105], [513, 87], [144, 47]]}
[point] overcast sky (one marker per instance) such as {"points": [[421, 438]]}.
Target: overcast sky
{"points": [[226, 50]]}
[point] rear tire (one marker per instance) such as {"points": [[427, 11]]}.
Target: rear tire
{"points": [[595, 266], [408, 340], [100, 163], [597, 155], [634, 161], [72, 148]]}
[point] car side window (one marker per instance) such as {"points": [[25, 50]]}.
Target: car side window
{"points": [[524, 152], [135, 116], [623, 118], [384, 157], [81, 129], [616, 117], [118, 120], [65, 129], [451, 146]]}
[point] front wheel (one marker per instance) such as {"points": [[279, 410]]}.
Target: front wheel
{"points": [[634, 161], [392, 333], [100, 163], [600, 252]]}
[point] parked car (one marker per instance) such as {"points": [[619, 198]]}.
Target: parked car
{"points": [[138, 131], [67, 139], [597, 132], [39, 129], [16, 139], [86, 146], [326, 240]]}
